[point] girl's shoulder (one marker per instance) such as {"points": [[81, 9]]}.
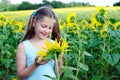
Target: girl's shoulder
{"points": [[22, 44], [20, 48]]}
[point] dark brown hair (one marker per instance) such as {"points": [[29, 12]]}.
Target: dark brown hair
{"points": [[39, 15]]}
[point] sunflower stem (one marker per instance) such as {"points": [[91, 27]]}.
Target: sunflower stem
{"points": [[57, 68]]}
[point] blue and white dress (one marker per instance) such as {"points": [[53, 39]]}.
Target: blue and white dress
{"points": [[46, 69]]}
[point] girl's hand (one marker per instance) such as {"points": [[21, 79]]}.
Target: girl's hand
{"points": [[41, 62]]}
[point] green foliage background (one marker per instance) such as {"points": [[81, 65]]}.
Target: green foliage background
{"points": [[92, 57]]}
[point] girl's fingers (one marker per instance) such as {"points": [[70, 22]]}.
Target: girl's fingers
{"points": [[43, 61], [40, 61]]}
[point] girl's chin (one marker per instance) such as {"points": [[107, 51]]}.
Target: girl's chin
{"points": [[43, 37]]}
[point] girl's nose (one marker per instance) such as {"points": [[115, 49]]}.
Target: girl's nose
{"points": [[47, 30]]}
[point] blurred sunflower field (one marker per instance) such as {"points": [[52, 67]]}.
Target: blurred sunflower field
{"points": [[94, 52]]}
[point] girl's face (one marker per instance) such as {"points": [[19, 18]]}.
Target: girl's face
{"points": [[43, 28]]}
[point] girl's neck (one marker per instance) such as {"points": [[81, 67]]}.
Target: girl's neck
{"points": [[36, 42], [37, 39]]}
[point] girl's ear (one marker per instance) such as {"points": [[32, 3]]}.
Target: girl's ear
{"points": [[34, 22]]}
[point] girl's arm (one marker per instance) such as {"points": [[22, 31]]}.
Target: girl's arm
{"points": [[60, 61], [22, 71], [60, 64]]}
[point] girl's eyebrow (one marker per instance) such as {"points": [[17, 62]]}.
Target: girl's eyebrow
{"points": [[47, 25]]}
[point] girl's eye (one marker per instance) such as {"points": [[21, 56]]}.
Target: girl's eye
{"points": [[50, 27], [43, 26]]}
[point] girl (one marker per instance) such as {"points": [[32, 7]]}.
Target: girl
{"points": [[42, 24]]}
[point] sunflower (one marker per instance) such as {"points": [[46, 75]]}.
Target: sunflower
{"points": [[101, 10], [41, 54], [52, 49], [71, 18], [62, 24], [18, 26], [3, 18], [1, 23], [84, 24], [117, 25], [104, 33]]}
